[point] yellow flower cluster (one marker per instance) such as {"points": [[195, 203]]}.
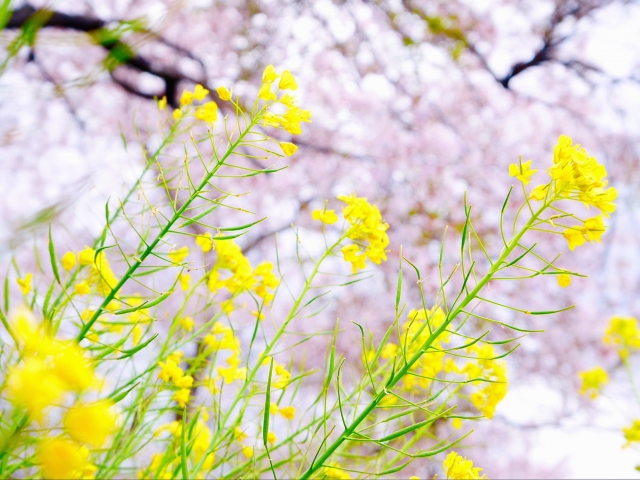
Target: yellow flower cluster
{"points": [[458, 467], [25, 283], [50, 370], [289, 120], [198, 437], [579, 176], [623, 334], [260, 281], [170, 371], [100, 274], [592, 381], [487, 398], [207, 112], [222, 338], [576, 176], [333, 470], [632, 433], [367, 229], [431, 362]]}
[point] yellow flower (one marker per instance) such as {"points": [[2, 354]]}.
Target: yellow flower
{"points": [[623, 333], [271, 437], [207, 112], [458, 467], [333, 470], [86, 256], [25, 283], [358, 262], [287, 412], [389, 351], [593, 228], [184, 382], [265, 92], [522, 172], [70, 365], [224, 93], [247, 451], [68, 261], [288, 148], [259, 315], [200, 92], [187, 323], [273, 408], [564, 280], [205, 241], [288, 100], [177, 114], [327, 216], [574, 237], [592, 381], [91, 423], [238, 434], [185, 281], [170, 370], [83, 288], [232, 373], [269, 74], [34, 386], [182, 396], [287, 81], [186, 98], [62, 458], [456, 423], [177, 256], [632, 433], [162, 103], [577, 175], [539, 192]]}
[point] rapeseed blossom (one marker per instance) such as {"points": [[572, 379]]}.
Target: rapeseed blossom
{"points": [[25, 283], [632, 433], [325, 216], [623, 334], [62, 458], [291, 119], [592, 381], [367, 229], [487, 398], [458, 467], [576, 176], [68, 261], [522, 172], [91, 423]]}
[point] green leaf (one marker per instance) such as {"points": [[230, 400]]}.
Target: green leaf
{"points": [[146, 304], [115, 398], [5, 13], [52, 257], [133, 351], [267, 407]]}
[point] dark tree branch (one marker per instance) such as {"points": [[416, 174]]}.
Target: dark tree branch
{"points": [[169, 76]]}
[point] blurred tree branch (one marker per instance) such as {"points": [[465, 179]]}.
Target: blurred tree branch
{"points": [[115, 47]]}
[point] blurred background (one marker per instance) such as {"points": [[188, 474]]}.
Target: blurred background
{"points": [[414, 103]]}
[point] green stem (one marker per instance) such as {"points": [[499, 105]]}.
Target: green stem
{"points": [[294, 309], [163, 233], [317, 464]]}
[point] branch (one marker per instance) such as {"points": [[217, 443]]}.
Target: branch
{"points": [[80, 23]]}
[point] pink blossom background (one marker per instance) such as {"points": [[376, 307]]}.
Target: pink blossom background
{"points": [[396, 118]]}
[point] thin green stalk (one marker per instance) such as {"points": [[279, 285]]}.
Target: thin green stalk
{"points": [[162, 234], [317, 464]]}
